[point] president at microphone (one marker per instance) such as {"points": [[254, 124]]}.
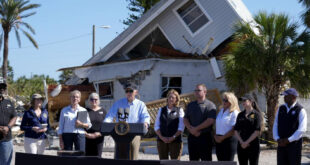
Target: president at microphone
{"points": [[131, 110]]}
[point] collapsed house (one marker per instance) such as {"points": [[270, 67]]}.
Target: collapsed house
{"points": [[175, 45]]}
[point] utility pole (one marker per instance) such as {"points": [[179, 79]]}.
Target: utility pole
{"points": [[93, 40], [94, 31]]}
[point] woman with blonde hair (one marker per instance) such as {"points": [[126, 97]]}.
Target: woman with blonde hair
{"points": [[94, 139], [35, 123], [169, 127], [226, 143]]}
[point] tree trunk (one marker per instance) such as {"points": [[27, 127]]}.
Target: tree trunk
{"points": [[5, 55], [272, 96]]}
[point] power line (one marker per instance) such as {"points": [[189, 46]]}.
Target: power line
{"points": [[56, 42]]}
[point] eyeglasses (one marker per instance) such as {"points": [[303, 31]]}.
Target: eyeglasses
{"points": [[197, 90], [244, 100], [92, 99], [129, 91], [225, 100]]}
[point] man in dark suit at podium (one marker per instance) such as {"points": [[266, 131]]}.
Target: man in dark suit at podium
{"points": [[138, 114]]}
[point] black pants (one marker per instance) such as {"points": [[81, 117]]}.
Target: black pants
{"points": [[226, 150], [200, 148], [74, 138], [94, 146], [249, 154], [290, 154]]}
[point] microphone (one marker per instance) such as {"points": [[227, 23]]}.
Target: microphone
{"points": [[120, 113], [127, 113]]}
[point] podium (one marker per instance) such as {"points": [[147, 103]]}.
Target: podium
{"points": [[122, 142]]}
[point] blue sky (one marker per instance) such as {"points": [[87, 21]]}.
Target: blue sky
{"points": [[64, 27]]}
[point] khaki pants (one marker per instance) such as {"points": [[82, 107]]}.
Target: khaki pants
{"points": [[134, 149], [174, 149]]}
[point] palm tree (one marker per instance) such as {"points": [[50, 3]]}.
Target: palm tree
{"points": [[306, 13], [12, 13], [65, 75], [267, 55]]}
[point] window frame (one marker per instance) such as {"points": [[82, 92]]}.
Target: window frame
{"points": [[96, 86], [193, 34], [169, 76]]}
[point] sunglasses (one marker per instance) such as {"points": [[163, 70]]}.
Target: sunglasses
{"points": [[129, 91], [225, 100], [92, 99], [244, 100], [197, 90]]}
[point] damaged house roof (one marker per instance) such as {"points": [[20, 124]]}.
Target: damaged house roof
{"points": [[164, 32]]}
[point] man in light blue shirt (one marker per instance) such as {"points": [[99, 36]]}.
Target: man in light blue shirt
{"points": [[137, 114]]}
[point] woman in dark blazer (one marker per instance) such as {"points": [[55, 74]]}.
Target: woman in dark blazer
{"points": [[35, 124]]}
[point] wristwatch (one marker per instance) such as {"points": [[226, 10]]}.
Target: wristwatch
{"points": [[9, 127], [174, 136]]}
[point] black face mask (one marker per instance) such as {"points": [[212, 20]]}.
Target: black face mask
{"points": [[2, 91], [1, 136]]}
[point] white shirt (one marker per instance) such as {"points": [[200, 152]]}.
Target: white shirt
{"points": [[67, 120], [181, 124], [225, 121], [302, 128]]}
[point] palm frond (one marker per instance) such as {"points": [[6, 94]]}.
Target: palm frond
{"points": [[23, 3], [305, 3], [301, 80], [28, 27], [267, 58], [27, 15], [17, 36], [30, 6], [31, 39], [11, 14], [306, 17]]}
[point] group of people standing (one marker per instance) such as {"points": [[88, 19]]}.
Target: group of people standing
{"points": [[235, 131], [86, 137], [79, 135]]}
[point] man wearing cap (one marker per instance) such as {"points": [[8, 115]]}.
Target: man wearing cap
{"points": [[7, 120], [289, 126], [137, 114]]}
